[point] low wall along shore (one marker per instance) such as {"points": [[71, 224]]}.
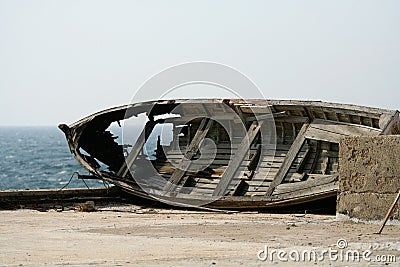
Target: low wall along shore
{"points": [[369, 176]]}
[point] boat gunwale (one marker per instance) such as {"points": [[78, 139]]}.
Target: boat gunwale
{"points": [[304, 103]]}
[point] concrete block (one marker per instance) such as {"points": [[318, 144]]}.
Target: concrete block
{"points": [[369, 176]]}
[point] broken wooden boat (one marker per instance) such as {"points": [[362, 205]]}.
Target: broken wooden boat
{"points": [[201, 164]]}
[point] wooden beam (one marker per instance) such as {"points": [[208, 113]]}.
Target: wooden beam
{"points": [[312, 181], [304, 160], [191, 151], [256, 109], [335, 107], [392, 126], [269, 116], [332, 131], [249, 173], [316, 157], [186, 119], [290, 157], [148, 128], [291, 119], [313, 186], [238, 157]]}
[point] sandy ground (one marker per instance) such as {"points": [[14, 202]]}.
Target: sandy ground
{"points": [[130, 235]]}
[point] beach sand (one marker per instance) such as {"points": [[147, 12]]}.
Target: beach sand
{"points": [[131, 235]]}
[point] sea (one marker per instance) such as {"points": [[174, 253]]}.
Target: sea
{"points": [[38, 157]]}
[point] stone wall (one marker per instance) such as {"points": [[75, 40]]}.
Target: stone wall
{"points": [[369, 176]]}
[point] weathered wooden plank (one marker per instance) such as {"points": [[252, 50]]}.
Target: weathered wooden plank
{"points": [[303, 161], [290, 157], [243, 148], [193, 147], [336, 107], [185, 119], [314, 185], [331, 131], [291, 119], [148, 128], [393, 125], [311, 182], [267, 146], [255, 109], [316, 156], [268, 116]]}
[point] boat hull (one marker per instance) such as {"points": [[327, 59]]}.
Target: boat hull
{"points": [[225, 153]]}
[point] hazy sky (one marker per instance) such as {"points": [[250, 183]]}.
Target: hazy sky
{"points": [[63, 60]]}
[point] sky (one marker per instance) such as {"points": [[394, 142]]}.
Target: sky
{"points": [[63, 60]]}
